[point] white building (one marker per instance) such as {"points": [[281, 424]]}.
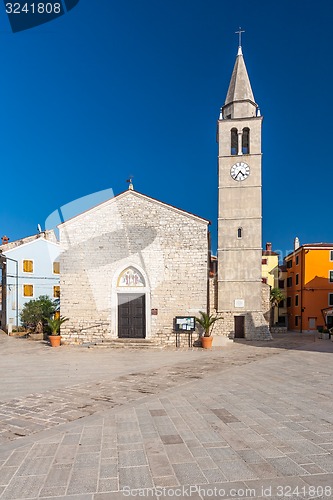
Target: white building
{"points": [[30, 268]]}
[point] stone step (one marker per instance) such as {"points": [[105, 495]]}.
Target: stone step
{"points": [[125, 344]]}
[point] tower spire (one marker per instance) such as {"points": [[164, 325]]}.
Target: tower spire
{"points": [[240, 101]]}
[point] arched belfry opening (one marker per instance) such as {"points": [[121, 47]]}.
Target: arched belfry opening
{"points": [[132, 304], [234, 141], [246, 141]]}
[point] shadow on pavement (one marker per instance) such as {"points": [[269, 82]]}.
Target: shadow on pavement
{"points": [[292, 341]]}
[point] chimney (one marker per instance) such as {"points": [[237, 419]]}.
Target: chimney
{"points": [[268, 247], [4, 240], [296, 243]]}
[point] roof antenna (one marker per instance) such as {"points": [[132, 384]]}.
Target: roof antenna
{"points": [[39, 229]]}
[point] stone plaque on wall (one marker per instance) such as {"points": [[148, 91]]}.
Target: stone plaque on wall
{"points": [[239, 303]]}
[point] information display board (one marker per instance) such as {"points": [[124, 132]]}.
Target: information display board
{"points": [[185, 323]]}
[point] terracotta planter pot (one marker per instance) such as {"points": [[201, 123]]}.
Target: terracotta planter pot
{"points": [[206, 342], [55, 340]]}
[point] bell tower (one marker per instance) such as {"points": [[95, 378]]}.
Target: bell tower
{"points": [[240, 210]]}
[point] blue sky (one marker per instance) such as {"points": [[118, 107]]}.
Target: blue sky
{"points": [[134, 87]]}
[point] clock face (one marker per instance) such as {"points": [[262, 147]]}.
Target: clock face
{"points": [[240, 171]]}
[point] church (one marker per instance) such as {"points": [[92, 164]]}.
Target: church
{"points": [[135, 268]]}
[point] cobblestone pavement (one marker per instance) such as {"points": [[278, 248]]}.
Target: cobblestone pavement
{"points": [[249, 420]]}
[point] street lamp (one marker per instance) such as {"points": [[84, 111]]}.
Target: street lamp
{"points": [[16, 280]]}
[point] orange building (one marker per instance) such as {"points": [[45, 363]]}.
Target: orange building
{"points": [[310, 286]]}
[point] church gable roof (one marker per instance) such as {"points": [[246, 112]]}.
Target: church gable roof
{"points": [[130, 192]]}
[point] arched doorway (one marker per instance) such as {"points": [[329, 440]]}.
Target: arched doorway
{"points": [[131, 304]]}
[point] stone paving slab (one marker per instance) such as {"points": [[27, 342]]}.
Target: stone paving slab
{"points": [[185, 435]]}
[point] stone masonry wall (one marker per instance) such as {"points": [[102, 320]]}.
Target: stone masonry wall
{"points": [[256, 322], [168, 246]]}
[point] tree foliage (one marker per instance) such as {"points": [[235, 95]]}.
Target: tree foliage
{"points": [[276, 297], [38, 311]]}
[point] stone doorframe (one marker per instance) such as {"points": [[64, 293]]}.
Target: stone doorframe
{"points": [[115, 290]]}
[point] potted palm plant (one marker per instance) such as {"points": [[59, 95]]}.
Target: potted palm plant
{"points": [[206, 321], [54, 325]]}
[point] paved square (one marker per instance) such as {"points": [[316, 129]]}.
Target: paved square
{"points": [[251, 420]]}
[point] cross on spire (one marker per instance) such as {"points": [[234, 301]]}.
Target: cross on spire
{"points": [[239, 32]]}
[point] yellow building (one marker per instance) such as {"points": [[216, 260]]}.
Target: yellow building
{"points": [[270, 266], [275, 276]]}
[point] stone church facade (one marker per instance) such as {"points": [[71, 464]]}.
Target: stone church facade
{"points": [[129, 267]]}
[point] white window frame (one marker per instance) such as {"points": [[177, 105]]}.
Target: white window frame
{"points": [[329, 299], [33, 290], [55, 297], [33, 266], [329, 276], [331, 255]]}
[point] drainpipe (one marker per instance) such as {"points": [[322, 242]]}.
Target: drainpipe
{"points": [[208, 269], [3, 293], [302, 281], [4, 263]]}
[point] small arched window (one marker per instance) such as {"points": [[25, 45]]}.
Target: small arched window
{"points": [[239, 232], [246, 141], [234, 141]]}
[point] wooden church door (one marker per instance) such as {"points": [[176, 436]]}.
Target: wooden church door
{"points": [[131, 316]]}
